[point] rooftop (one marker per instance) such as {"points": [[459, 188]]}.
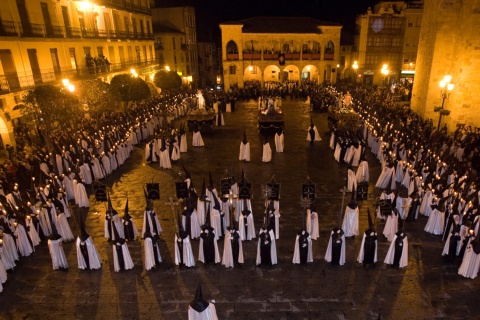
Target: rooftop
{"points": [[281, 25]]}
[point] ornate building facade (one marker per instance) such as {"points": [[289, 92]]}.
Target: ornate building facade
{"points": [[279, 49], [45, 41]]}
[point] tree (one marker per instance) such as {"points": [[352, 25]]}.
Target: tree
{"points": [[167, 80], [138, 90], [51, 108], [97, 96], [120, 85]]}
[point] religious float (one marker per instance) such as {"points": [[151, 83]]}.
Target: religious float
{"points": [[270, 117], [202, 119], [343, 116]]}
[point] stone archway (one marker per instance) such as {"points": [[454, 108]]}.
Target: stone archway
{"points": [[310, 73], [252, 72], [290, 73], [6, 132], [271, 73]]}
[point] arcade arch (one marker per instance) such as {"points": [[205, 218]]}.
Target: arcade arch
{"points": [[310, 73], [252, 72], [271, 73], [290, 73]]}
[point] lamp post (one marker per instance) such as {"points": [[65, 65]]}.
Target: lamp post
{"points": [[385, 73], [445, 89]]}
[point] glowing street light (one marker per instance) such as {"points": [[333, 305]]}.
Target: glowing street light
{"points": [[445, 89], [134, 72], [167, 68], [71, 88], [65, 82]]}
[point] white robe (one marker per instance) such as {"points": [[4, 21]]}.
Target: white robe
{"points": [[317, 136], [201, 256], [165, 159], [81, 197], [273, 248], [59, 260], [470, 263], [279, 142], [267, 153], [63, 228], [183, 143], [128, 263], [227, 258], [296, 251], [149, 255], [350, 222], [147, 218], [24, 247], [312, 224], [93, 256], [361, 252], [435, 222], [386, 178], [328, 253], [351, 181], [197, 140], [115, 219], [244, 151], [391, 227], [187, 254], [9, 252], [195, 227], [208, 314], [391, 253], [362, 172], [250, 227]]}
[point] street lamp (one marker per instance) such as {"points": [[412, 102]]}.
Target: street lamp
{"points": [[445, 89], [385, 73]]}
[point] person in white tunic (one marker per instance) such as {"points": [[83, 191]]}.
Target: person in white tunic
{"points": [[312, 222], [121, 255], [87, 254], [436, 218], [471, 259], [350, 219], [150, 220], [197, 140], [267, 151], [279, 140], [55, 246], [183, 248], [335, 253], [151, 256], [232, 246], [368, 248], [397, 255], [244, 149], [200, 309], [302, 252], [312, 132]]}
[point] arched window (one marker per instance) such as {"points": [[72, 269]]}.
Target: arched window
{"points": [[232, 50], [329, 51], [232, 47]]}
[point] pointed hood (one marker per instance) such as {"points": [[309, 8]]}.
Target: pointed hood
{"points": [[83, 233], [210, 184], [126, 215], [352, 204], [199, 304], [371, 226], [187, 174], [203, 195], [216, 205], [245, 141], [311, 122]]}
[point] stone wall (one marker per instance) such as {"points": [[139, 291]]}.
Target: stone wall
{"points": [[449, 44]]}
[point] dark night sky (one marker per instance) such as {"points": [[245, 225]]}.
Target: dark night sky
{"points": [[209, 13]]}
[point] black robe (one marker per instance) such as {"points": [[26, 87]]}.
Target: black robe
{"points": [[303, 246], [369, 247], [235, 239], [208, 245], [265, 248], [337, 242], [128, 228], [398, 248]]}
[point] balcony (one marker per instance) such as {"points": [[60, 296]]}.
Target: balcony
{"points": [[232, 56], [310, 56], [270, 56], [292, 56], [328, 56], [16, 29], [22, 81], [252, 56], [383, 49], [124, 5]]}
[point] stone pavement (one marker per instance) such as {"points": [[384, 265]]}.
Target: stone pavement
{"points": [[426, 289]]}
